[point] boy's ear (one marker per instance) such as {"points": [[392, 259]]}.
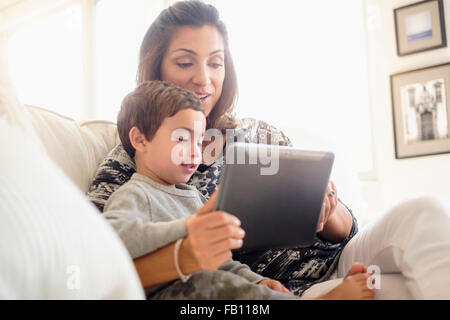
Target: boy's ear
{"points": [[137, 139]]}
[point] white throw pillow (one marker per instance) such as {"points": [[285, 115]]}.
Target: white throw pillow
{"points": [[77, 148], [53, 243]]}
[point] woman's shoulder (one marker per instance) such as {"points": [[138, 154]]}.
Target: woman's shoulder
{"points": [[114, 171], [259, 131]]}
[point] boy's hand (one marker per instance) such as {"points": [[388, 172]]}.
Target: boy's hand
{"points": [[275, 285], [212, 235]]}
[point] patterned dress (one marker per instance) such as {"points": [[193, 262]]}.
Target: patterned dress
{"points": [[297, 268]]}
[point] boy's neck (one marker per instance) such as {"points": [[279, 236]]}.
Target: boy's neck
{"points": [[151, 175]]}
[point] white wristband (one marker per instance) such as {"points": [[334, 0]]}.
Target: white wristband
{"points": [[183, 277]]}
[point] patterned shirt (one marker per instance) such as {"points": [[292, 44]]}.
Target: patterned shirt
{"points": [[297, 268]]}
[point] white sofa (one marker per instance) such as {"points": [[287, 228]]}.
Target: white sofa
{"points": [[53, 242], [79, 147]]}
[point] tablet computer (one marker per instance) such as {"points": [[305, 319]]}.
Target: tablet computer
{"points": [[277, 192]]}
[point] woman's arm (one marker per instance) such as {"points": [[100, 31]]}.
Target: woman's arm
{"points": [[338, 226], [159, 267]]}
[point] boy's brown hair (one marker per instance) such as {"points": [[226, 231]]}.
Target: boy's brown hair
{"points": [[148, 105]]}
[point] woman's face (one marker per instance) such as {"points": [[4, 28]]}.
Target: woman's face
{"points": [[195, 60]]}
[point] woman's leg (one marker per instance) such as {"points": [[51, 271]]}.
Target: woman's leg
{"points": [[218, 285], [413, 238], [393, 288]]}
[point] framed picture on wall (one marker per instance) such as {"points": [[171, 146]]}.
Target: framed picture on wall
{"points": [[419, 27], [421, 111]]}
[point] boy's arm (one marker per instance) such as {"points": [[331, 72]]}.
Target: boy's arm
{"points": [[128, 212], [158, 266]]}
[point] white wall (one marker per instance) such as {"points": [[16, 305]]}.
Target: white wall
{"points": [[397, 179], [393, 179]]}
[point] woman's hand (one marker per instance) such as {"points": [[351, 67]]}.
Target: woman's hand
{"points": [[212, 235], [335, 221], [330, 203], [275, 285]]}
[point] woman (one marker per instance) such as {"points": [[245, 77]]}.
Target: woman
{"points": [[187, 45]]}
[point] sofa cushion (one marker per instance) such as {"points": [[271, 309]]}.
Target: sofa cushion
{"points": [[53, 243], [76, 147]]}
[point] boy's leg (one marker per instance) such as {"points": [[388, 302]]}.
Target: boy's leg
{"points": [[218, 285], [412, 238]]}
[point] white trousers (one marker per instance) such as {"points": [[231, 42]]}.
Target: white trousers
{"points": [[409, 244]]}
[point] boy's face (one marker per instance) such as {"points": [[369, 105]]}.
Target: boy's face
{"points": [[175, 151]]}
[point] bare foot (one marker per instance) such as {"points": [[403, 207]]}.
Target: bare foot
{"points": [[353, 287], [356, 268]]}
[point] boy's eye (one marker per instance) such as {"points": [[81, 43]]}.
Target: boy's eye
{"points": [[183, 139]]}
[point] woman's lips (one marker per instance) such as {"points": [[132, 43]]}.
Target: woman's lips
{"points": [[203, 97]]}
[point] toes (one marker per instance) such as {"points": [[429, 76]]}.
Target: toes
{"points": [[359, 277], [356, 268]]}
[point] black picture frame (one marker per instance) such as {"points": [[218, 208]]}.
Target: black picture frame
{"points": [[421, 111], [420, 27]]}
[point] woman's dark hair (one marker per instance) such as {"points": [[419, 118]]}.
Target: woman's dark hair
{"points": [[156, 42]]}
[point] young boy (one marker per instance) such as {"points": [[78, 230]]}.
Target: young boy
{"points": [[162, 126]]}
